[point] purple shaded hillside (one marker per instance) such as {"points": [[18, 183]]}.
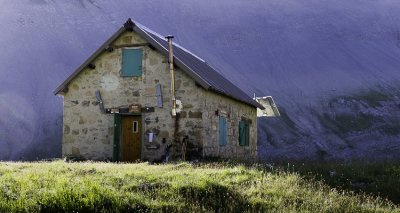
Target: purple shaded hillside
{"points": [[332, 67]]}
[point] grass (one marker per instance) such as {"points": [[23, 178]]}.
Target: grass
{"points": [[377, 179], [216, 187]]}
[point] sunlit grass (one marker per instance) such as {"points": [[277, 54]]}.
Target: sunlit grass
{"points": [[107, 187]]}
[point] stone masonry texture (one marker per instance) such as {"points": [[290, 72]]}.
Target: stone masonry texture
{"points": [[88, 133]]}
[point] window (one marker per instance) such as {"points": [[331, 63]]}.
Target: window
{"points": [[244, 133], [131, 62], [135, 127], [222, 130]]}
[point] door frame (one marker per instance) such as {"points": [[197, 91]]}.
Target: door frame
{"points": [[117, 139]]}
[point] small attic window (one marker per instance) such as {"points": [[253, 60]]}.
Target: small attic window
{"points": [[132, 62]]}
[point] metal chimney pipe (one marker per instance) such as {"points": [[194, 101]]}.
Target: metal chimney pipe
{"points": [[171, 70]]}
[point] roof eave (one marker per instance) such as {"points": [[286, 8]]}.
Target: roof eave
{"points": [[142, 33], [131, 26], [254, 104]]}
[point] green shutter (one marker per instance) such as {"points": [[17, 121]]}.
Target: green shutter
{"points": [[222, 131], [242, 133], [132, 62], [247, 130], [117, 134]]}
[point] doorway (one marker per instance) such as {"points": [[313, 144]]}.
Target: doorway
{"points": [[131, 138]]}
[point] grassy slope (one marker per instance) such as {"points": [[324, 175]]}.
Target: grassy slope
{"points": [[379, 179], [97, 187]]}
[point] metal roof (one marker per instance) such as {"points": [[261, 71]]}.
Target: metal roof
{"points": [[194, 66]]}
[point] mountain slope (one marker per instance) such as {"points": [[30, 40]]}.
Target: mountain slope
{"points": [[332, 67]]}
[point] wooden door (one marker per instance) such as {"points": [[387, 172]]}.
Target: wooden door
{"points": [[131, 128]]}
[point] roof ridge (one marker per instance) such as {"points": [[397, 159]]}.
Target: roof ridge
{"points": [[163, 37], [196, 67]]}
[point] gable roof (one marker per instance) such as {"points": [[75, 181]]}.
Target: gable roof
{"points": [[194, 66]]}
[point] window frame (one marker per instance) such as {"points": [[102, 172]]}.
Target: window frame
{"points": [[124, 74], [135, 126]]}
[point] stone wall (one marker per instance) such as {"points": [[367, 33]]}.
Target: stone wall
{"points": [[235, 112], [89, 134]]}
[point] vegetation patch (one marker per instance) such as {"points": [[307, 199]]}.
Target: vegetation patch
{"points": [[372, 98], [392, 129], [207, 187], [345, 123], [358, 122], [378, 179]]}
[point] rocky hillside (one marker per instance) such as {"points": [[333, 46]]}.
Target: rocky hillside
{"points": [[332, 67]]}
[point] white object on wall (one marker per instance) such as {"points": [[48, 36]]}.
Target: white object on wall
{"points": [[179, 106]]}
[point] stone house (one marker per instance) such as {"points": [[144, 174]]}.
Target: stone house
{"points": [[126, 103]]}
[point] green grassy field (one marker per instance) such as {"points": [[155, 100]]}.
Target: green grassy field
{"points": [[377, 179], [106, 187]]}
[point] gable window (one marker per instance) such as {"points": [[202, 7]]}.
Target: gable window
{"points": [[244, 133], [222, 130], [131, 62]]}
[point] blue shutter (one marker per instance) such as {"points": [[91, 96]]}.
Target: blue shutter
{"points": [[222, 131], [132, 62], [225, 131]]}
